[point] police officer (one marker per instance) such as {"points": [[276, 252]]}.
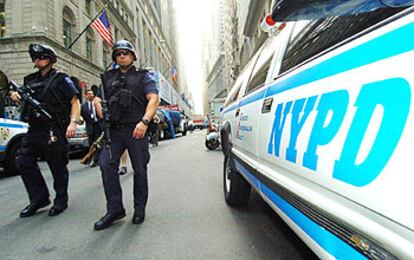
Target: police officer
{"points": [[45, 137], [132, 99]]}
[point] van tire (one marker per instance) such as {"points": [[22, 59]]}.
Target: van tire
{"points": [[10, 167], [236, 188]]}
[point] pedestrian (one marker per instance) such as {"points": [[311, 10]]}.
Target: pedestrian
{"points": [[132, 99], [170, 124], [47, 138], [93, 124], [123, 169]]}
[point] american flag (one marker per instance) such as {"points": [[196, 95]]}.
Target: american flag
{"points": [[102, 26]]}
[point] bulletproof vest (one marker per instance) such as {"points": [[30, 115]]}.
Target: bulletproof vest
{"points": [[52, 101], [125, 95]]}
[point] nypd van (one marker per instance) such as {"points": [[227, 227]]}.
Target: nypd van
{"points": [[11, 134], [320, 124]]}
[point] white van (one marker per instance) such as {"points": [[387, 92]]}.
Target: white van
{"points": [[320, 123]]}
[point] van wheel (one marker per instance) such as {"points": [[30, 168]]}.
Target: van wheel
{"points": [[10, 167], [236, 189]]}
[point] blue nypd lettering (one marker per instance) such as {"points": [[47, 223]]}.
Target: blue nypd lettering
{"points": [[393, 95]]}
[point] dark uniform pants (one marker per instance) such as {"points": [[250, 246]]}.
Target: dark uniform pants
{"points": [[34, 145], [139, 155]]}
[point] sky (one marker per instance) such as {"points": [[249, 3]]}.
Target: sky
{"points": [[192, 17]]}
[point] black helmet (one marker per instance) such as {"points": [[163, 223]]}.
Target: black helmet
{"points": [[123, 45], [40, 49]]}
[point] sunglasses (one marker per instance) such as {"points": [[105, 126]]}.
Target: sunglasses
{"points": [[40, 57], [119, 53]]}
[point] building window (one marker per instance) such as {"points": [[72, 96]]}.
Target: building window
{"points": [[68, 26], [105, 55], [88, 48], [88, 7], [67, 33], [116, 34], [2, 18], [89, 45]]}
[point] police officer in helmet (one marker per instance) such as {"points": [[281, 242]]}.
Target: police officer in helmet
{"points": [[132, 99], [47, 138]]}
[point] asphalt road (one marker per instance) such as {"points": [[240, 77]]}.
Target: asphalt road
{"points": [[187, 217]]}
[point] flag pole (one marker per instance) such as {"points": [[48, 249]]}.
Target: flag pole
{"points": [[84, 30]]}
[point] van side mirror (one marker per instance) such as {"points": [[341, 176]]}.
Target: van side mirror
{"points": [[221, 109]]}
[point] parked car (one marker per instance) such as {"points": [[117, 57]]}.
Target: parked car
{"points": [[319, 122], [11, 134], [79, 143]]}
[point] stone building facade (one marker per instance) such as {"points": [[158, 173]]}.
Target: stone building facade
{"points": [[57, 23]]}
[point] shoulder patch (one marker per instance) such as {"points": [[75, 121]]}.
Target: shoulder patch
{"points": [[68, 80]]}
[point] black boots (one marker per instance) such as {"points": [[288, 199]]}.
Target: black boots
{"points": [[138, 217], [56, 210], [31, 209], [108, 219]]}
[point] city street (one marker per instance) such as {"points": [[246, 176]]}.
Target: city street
{"points": [[187, 217]]}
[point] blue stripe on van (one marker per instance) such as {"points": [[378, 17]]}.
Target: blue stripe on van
{"points": [[256, 96], [328, 241], [10, 125], [2, 148], [230, 108], [385, 46]]}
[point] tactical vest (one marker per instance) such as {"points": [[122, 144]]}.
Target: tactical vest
{"points": [[52, 101], [125, 95]]}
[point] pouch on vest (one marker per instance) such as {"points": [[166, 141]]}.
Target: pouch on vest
{"points": [[125, 97], [114, 108]]}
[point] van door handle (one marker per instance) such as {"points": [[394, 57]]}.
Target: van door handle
{"points": [[237, 112], [267, 105]]}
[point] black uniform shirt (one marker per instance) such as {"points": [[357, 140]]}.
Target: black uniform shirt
{"points": [[65, 87], [149, 83]]}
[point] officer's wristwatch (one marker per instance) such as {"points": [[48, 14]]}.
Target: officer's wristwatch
{"points": [[145, 121]]}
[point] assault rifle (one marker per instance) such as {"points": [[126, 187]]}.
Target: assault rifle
{"points": [[106, 123], [105, 137], [26, 93], [93, 150]]}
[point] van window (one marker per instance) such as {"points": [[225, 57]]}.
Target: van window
{"points": [[258, 77], [319, 35], [234, 93]]}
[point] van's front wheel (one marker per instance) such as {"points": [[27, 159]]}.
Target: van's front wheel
{"points": [[236, 189], [10, 167]]}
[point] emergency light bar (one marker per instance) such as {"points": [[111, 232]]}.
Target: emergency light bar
{"points": [[269, 24]]}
